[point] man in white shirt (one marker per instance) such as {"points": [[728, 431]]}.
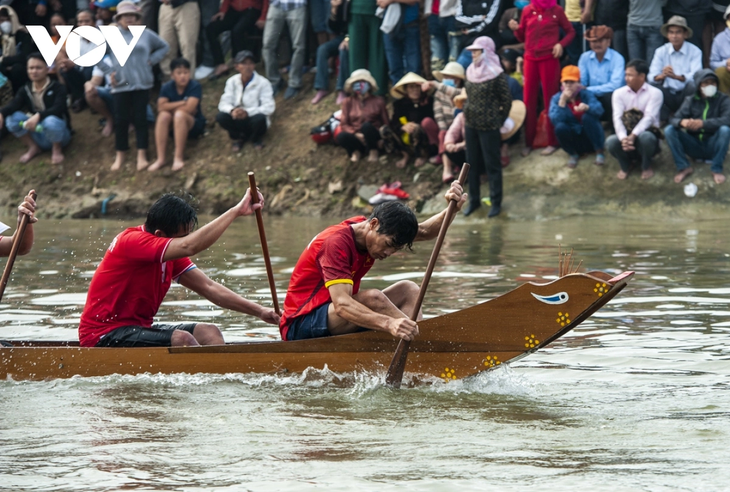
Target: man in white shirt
{"points": [[674, 64], [636, 104]]}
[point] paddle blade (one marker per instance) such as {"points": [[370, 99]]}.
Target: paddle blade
{"points": [[397, 365]]}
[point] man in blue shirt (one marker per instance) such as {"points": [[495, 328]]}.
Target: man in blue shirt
{"points": [[179, 113], [602, 68]]}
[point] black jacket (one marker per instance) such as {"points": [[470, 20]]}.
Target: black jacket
{"points": [[54, 99], [715, 110]]}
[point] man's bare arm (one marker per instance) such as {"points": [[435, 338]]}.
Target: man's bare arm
{"points": [[429, 228]]}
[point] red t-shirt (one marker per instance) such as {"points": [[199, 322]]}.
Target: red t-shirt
{"points": [[574, 104], [129, 284], [330, 258]]}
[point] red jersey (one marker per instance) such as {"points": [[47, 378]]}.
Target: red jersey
{"points": [[331, 258], [129, 285]]}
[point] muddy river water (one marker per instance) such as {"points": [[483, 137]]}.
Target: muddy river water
{"points": [[636, 398]]}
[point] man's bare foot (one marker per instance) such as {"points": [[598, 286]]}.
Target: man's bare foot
{"points": [[33, 151], [117, 163], [57, 157], [355, 156], [142, 163], [178, 164], [107, 130], [622, 174], [548, 150], [373, 156], [719, 178], [401, 163], [156, 165], [420, 161], [681, 175], [647, 174], [525, 151]]}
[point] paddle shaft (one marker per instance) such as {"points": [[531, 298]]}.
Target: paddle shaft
{"points": [[398, 364], [264, 244], [14, 251]]}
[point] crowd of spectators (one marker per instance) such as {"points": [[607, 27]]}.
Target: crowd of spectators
{"points": [[463, 77]]}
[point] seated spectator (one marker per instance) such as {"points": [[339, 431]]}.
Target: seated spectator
{"points": [[706, 119], [292, 14], [16, 46], [48, 126], [674, 64], [512, 62], [74, 76], [363, 114], [636, 110], [601, 68], [451, 80], [403, 43], [337, 46], [240, 17], [179, 26], [455, 144], [575, 113], [178, 112], [720, 55], [412, 128], [246, 104]]}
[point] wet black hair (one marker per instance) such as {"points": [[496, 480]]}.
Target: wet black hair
{"points": [[179, 62], [172, 212], [396, 220], [640, 66]]}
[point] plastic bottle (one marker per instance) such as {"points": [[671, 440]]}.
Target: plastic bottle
{"points": [[38, 128]]}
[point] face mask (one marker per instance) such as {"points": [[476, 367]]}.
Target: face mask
{"points": [[361, 87], [6, 27], [450, 82], [709, 90], [521, 4]]}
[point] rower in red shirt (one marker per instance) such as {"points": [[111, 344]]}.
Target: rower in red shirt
{"points": [[130, 283], [324, 296]]}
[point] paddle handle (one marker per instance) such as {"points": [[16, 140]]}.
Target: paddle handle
{"points": [[264, 244], [14, 251], [398, 364]]}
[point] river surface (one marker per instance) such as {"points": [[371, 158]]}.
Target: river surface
{"points": [[635, 398]]}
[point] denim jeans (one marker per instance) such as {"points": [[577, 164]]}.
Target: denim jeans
{"points": [[444, 41], [710, 147], [403, 52], [643, 41], [576, 143], [646, 144], [324, 53], [319, 11], [55, 130]]}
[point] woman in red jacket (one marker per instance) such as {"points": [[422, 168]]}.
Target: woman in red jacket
{"points": [[539, 28]]}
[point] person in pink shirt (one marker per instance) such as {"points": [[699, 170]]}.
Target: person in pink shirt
{"points": [[539, 28]]}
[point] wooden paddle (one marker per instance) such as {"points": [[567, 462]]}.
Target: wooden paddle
{"points": [[14, 251], [264, 245], [398, 364]]}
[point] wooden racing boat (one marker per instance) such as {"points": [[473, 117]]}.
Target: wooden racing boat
{"points": [[452, 346]]}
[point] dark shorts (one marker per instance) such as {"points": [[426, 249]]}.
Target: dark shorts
{"points": [[312, 325], [158, 335]]}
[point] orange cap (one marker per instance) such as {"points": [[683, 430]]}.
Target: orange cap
{"points": [[570, 72]]}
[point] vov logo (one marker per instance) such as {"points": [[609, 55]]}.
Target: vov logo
{"points": [[100, 37]]}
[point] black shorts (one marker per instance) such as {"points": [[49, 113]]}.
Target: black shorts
{"points": [[158, 335]]}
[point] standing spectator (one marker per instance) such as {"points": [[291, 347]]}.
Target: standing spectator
{"points": [[674, 64], [48, 128], [246, 104], [442, 31], [640, 104], [206, 67], [132, 82], [575, 113], [319, 11], [179, 22], [366, 42], [447, 86], [293, 13], [178, 109], [694, 13], [412, 127], [337, 23], [580, 15], [363, 114], [475, 18], [16, 46], [487, 108], [706, 119], [403, 44], [240, 17], [602, 68], [539, 29], [614, 14], [720, 57], [643, 29]]}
